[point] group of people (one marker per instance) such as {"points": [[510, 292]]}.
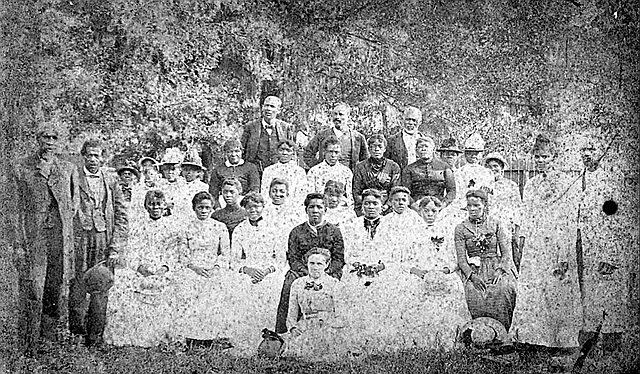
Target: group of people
{"points": [[375, 244]]}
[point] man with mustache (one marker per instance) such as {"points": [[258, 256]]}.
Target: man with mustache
{"points": [[101, 229], [352, 143], [261, 138], [401, 147]]}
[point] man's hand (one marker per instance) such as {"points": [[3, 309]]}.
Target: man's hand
{"points": [[295, 332], [163, 270]]}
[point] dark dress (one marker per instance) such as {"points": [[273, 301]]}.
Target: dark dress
{"points": [[477, 246]]}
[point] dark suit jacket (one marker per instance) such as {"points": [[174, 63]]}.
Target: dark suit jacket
{"points": [[359, 149], [62, 180], [251, 137], [115, 211], [397, 151]]}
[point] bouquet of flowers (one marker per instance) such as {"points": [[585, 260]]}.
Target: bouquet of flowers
{"points": [[367, 270]]}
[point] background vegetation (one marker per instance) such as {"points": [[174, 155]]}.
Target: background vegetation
{"points": [[148, 74]]}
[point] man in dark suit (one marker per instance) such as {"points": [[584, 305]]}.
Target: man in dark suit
{"points": [[47, 198], [260, 138], [101, 228], [401, 148], [353, 144]]}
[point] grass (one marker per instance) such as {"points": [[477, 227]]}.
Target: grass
{"points": [[72, 357]]}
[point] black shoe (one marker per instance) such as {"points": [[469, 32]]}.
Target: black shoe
{"points": [[97, 343]]}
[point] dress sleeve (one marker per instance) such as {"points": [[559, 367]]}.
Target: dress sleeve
{"points": [[461, 251], [450, 186], [348, 187], [337, 254], [224, 259], [235, 255], [294, 257], [294, 304], [504, 244]]}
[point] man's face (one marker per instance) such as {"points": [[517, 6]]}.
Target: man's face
{"points": [[424, 151], [285, 153], [234, 156], [400, 202], [254, 210], [472, 157], [332, 200], [411, 121], [203, 209], [278, 194], [49, 142], [588, 155], [127, 177], [93, 159], [332, 154], [340, 117], [191, 173], [270, 109], [542, 159], [315, 211], [230, 194], [496, 168], [449, 157], [371, 207], [377, 149], [170, 172], [156, 208]]}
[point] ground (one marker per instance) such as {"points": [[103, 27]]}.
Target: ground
{"points": [[69, 356]]}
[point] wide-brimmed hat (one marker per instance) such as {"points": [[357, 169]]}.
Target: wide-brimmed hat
{"points": [[484, 332], [474, 143], [192, 158], [172, 156], [129, 165], [495, 156], [98, 278], [450, 145]]}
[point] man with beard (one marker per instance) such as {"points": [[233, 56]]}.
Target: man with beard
{"points": [[352, 143], [261, 138], [402, 146], [101, 228], [47, 199], [315, 233]]}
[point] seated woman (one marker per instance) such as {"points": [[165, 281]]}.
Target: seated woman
{"points": [[314, 331], [143, 302], [206, 241], [338, 212], [439, 308], [483, 250], [258, 256], [360, 234]]}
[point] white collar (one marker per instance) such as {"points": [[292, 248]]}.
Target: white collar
{"points": [[265, 124], [228, 164], [88, 173]]}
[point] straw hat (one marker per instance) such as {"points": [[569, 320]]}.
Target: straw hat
{"points": [[474, 143], [129, 165], [484, 332], [495, 156], [192, 158], [172, 156]]}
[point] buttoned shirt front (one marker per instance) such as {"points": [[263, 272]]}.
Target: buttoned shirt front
{"points": [[410, 144]]}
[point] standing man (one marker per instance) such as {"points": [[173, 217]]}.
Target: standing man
{"points": [[401, 147], [315, 233], [352, 143], [101, 228], [261, 138], [47, 199]]}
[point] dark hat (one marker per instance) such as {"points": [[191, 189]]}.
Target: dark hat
{"points": [[449, 145], [543, 142], [98, 279], [129, 165]]}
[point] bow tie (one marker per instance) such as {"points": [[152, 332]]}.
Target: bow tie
{"points": [[371, 226], [313, 286]]}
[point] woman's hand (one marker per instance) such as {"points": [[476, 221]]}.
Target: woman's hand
{"points": [[144, 270], [560, 271], [256, 274], [163, 270], [200, 271], [498, 276], [478, 284], [418, 272], [295, 332], [605, 268]]}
